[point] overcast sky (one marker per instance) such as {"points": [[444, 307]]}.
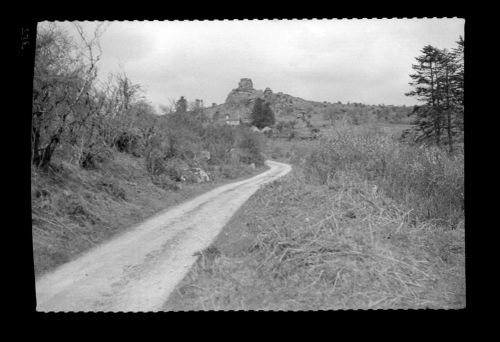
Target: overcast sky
{"points": [[362, 60]]}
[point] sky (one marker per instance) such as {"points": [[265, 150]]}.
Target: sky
{"points": [[355, 60]]}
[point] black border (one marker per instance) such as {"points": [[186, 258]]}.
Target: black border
{"points": [[24, 293]]}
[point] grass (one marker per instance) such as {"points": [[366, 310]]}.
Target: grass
{"points": [[296, 246], [337, 241], [75, 209], [426, 179]]}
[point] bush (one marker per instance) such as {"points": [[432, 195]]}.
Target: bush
{"points": [[157, 164], [427, 179], [92, 157], [174, 168], [218, 140], [154, 162], [174, 149], [229, 171], [251, 145], [280, 126], [235, 170], [165, 182], [130, 143]]}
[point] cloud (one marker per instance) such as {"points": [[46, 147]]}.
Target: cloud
{"points": [[325, 60]]}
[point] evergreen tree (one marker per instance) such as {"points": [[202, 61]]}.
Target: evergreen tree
{"points": [[458, 79], [428, 116], [181, 105], [446, 74], [262, 115], [438, 83], [257, 116], [268, 115]]}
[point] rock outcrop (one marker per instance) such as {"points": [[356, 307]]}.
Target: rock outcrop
{"points": [[245, 84], [239, 103], [244, 94]]}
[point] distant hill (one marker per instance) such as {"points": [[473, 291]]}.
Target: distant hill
{"points": [[240, 101]]}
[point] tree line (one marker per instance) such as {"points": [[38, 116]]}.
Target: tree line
{"points": [[438, 83]]}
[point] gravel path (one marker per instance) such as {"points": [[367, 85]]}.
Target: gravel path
{"points": [[138, 270]]}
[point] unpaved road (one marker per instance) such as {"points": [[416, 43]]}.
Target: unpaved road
{"points": [[138, 270]]}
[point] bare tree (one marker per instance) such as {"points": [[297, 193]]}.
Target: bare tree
{"points": [[168, 108], [62, 87]]}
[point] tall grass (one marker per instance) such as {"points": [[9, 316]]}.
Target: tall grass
{"points": [[426, 179], [299, 246], [362, 222]]}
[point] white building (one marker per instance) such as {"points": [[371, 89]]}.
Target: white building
{"points": [[232, 121]]}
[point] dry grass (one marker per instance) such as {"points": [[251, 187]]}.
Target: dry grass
{"points": [[340, 233], [297, 246], [426, 179]]}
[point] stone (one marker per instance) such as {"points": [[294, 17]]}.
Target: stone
{"points": [[240, 102], [195, 175], [244, 94], [204, 177], [200, 176], [245, 85], [204, 155]]}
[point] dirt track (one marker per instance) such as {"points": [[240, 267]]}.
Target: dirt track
{"points": [[138, 270]]}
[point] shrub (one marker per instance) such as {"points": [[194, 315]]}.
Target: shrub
{"points": [[92, 157], [154, 162], [232, 171], [218, 140], [165, 182], [251, 145], [280, 126], [174, 168], [427, 179], [130, 143]]}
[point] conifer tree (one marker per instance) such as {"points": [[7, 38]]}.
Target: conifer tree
{"points": [[256, 116], [181, 105], [438, 83], [268, 115], [262, 115], [428, 121], [458, 80]]}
